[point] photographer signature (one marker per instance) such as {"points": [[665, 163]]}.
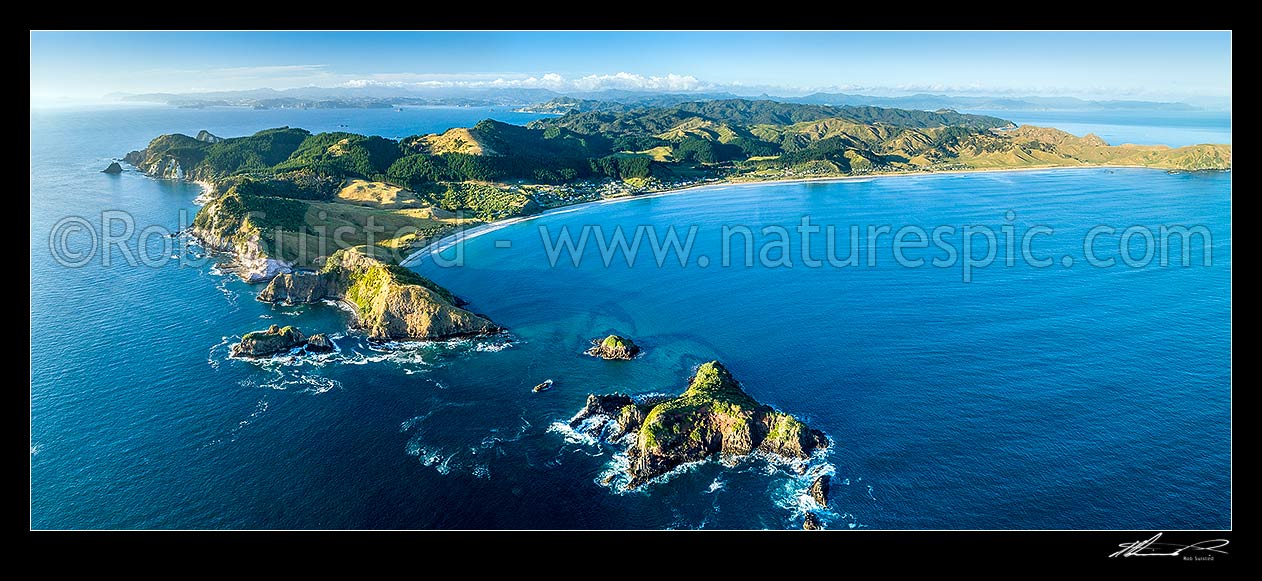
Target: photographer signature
{"points": [[1152, 548]]}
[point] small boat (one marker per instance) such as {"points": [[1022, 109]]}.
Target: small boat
{"points": [[546, 385]]}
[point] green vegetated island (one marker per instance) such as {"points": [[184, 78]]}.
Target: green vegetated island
{"points": [[276, 197], [712, 417]]}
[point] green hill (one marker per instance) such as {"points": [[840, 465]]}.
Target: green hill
{"points": [[275, 185]]}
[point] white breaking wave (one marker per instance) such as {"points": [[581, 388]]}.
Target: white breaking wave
{"points": [[444, 467], [493, 347], [444, 460], [210, 355], [793, 495], [342, 305], [571, 435]]}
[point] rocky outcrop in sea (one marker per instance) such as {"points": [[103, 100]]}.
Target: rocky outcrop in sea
{"points": [[819, 489], [319, 343], [714, 417], [274, 340], [614, 347]]}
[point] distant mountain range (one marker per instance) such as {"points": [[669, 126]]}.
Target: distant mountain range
{"points": [[548, 101], [340, 98], [930, 102]]}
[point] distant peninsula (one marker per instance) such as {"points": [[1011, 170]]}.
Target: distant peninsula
{"points": [[539, 100], [273, 192]]}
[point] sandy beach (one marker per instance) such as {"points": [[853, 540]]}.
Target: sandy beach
{"points": [[447, 241]]}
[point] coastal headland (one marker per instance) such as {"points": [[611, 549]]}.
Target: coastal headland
{"points": [[273, 199]]}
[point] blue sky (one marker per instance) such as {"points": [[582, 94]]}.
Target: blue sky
{"points": [[1188, 66]]}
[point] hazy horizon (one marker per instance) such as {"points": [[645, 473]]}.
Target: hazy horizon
{"points": [[1187, 67]]}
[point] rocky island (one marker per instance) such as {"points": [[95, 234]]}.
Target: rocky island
{"points": [[713, 417], [274, 340], [614, 347], [113, 168], [319, 343]]}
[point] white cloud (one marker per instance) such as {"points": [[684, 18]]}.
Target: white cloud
{"points": [[185, 80], [634, 82], [361, 83], [270, 70], [679, 84], [554, 81]]}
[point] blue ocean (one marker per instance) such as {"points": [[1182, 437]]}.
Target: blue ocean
{"points": [[1028, 397], [1173, 128]]}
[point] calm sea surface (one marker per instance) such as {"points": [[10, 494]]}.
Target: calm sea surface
{"points": [[1173, 128], [1054, 397]]}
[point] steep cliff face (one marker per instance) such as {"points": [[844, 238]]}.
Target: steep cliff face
{"points": [[169, 157], [714, 417], [223, 224], [390, 302], [208, 137], [298, 288]]}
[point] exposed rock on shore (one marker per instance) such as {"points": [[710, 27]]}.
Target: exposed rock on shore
{"points": [[812, 522], [157, 160], [819, 489], [391, 302], [714, 417], [227, 224]]}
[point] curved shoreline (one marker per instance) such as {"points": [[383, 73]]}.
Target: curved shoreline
{"points": [[207, 190], [449, 240]]}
